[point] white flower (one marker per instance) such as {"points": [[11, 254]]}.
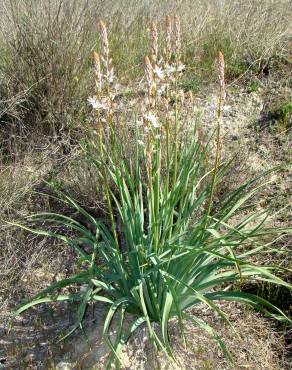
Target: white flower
{"points": [[181, 67], [171, 115], [161, 90], [159, 72], [156, 125], [139, 122], [151, 117], [169, 69], [97, 104], [110, 76], [92, 101], [117, 87], [212, 106], [112, 96], [140, 142], [226, 108]]}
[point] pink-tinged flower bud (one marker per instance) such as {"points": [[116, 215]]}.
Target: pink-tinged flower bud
{"points": [[154, 35], [168, 30], [221, 77], [98, 78], [104, 39], [177, 32]]}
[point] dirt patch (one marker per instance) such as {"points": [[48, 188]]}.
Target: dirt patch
{"points": [[253, 342]]}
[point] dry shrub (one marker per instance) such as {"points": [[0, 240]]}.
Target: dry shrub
{"points": [[46, 45]]}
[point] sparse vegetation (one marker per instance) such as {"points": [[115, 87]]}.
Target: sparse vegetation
{"points": [[254, 85], [141, 185], [47, 47], [284, 114]]}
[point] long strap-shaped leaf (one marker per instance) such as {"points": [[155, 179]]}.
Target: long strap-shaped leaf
{"points": [[250, 299], [80, 278], [57, 236]]}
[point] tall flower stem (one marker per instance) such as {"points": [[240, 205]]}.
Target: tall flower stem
{"points": [[177, 31], [157, 186], [108, 74]]}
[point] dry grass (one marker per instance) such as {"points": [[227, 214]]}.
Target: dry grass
{"points": [[46, 48], [255, 343], [251, 349]]}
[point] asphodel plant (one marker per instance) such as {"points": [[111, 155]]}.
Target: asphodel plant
{"points": [[177, 245]]}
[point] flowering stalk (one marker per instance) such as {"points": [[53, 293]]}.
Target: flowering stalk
{"points": [[221, 78], [98, 77], [153, 142], [168, 31], [167, 144], [167, 52], [154, 46], [98, 84], [104, 103], [157, 133], [150, 102], [105, 45], [157, 185], [177, 51], [108, 76], [177, 31], [177, 62]]}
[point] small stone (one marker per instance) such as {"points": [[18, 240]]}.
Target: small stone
{"points": [[3, 360], [64, 366], [125, 360], [29, 358], [234, 137]]}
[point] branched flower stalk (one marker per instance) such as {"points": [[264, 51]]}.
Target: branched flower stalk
{"points": [[154, 46], [157, 144], [150, 119], [103, 105], [150, 97], [177, 53], [108, 76], [98, 77], [168, 32], [221, 79], [168, 52], [177, 30]]}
